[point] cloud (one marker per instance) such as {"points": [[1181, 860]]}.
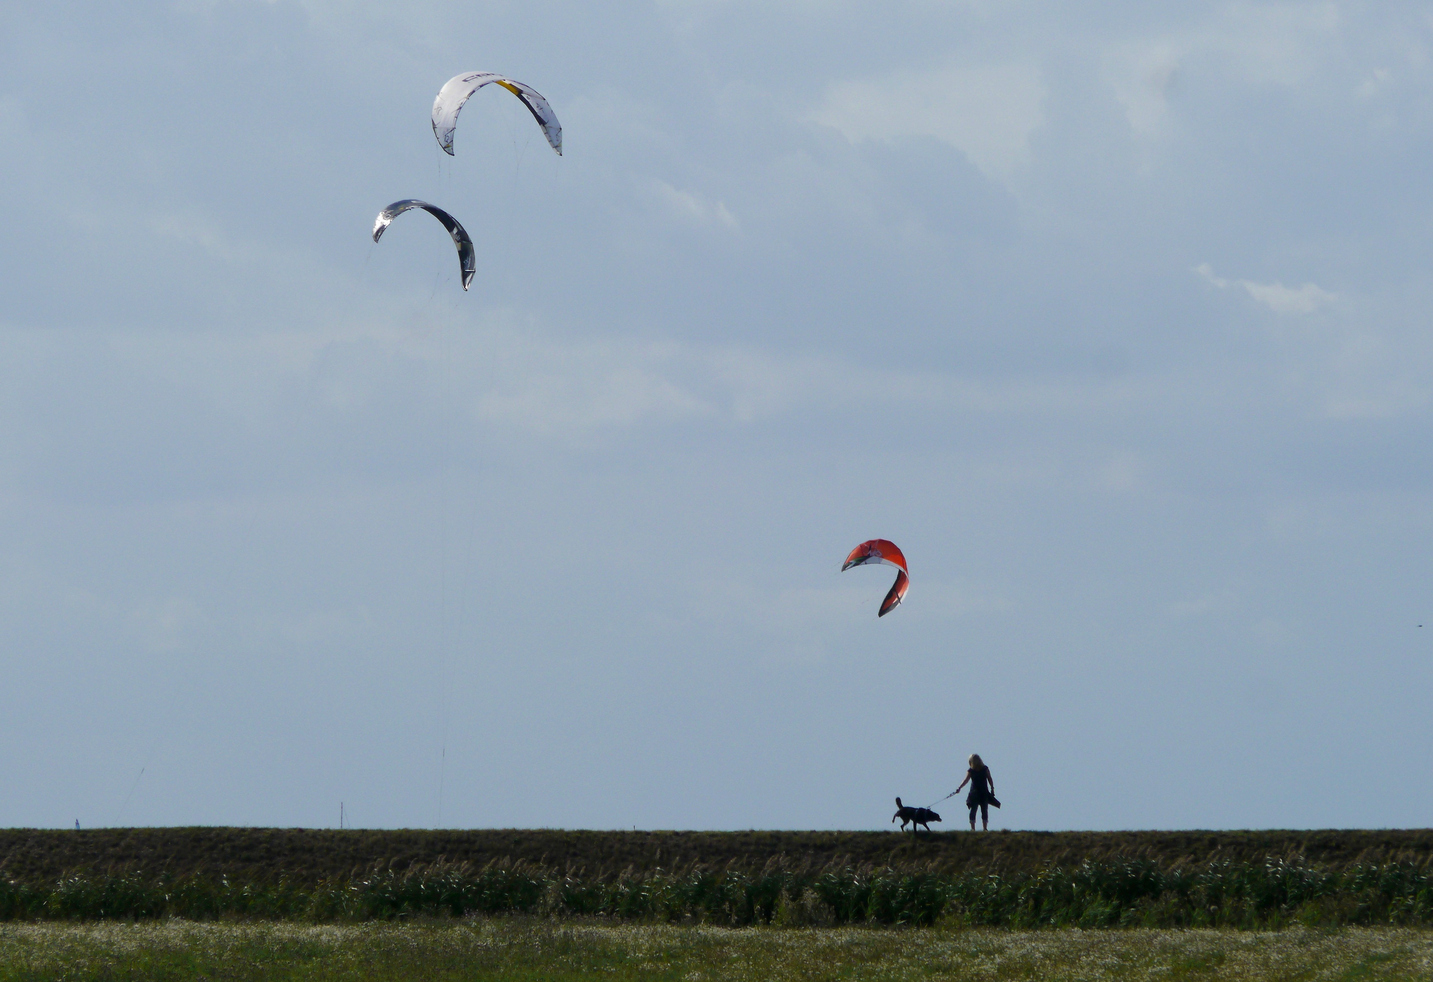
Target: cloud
{"points": [[578, 388], [1280, 45], [1288, 300], [1142, 76], [1378, 81], [693, 208], [988, 112], [570, 387], [773, 301], [1280, 299]]}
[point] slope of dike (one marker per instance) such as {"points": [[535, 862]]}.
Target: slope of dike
{"points": [[312, 855]]}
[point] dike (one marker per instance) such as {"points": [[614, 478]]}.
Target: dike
{"points": [[309, 856]]}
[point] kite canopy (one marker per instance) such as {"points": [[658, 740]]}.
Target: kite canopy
{"points": [[883, 551], [467, 258], [457, 90]]}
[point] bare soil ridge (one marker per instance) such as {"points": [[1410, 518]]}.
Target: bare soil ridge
{"points": [[311, 855]]}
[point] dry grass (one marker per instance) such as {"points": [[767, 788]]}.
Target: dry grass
{"points": [[508, 951]]}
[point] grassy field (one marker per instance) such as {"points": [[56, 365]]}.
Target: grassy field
{"points": [[527, 951]]}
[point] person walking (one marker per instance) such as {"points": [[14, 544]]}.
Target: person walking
{"points": [[982, 792]]}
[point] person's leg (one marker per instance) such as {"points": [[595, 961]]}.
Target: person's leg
{"points": [[972, 818], [984, 817]]}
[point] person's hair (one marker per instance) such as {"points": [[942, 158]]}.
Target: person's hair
{"points": [[976, 762]]}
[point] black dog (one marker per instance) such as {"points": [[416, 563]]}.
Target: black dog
{"points": [[915, 816]]}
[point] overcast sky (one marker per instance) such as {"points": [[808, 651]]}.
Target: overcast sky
{"points": [[1115, 318]]}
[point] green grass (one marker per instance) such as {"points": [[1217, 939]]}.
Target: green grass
{"points": [[521, 950]]}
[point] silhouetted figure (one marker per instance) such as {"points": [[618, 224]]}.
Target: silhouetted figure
{"points": [[916, 816], [982, 792]]}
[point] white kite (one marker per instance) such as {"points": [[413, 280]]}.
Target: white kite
{"points": [[452, 96]]}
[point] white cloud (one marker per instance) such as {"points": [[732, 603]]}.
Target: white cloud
{"points": [[1141, 76], [191, 229], [1377, 81], [686, 206], [988, 112], [1280, 299], [1366, 360], [584, 387], [1289, 300], [557, 387], [1280, 44]]}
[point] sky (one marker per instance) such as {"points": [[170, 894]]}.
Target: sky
{"points": [[1114, 317]]}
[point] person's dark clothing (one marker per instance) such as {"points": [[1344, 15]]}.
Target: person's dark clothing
{"points": [[979, 793]]}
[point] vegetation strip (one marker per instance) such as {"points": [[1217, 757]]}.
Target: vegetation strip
{"points": [[313, 855], [1134, 893], [524, 950]]}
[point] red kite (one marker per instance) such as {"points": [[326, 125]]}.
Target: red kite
{"points": [[883, 551]]}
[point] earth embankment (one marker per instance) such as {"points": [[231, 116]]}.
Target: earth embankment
{"points": [[312, 855]]}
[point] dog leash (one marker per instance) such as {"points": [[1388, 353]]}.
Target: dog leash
{"points": [[934, 803]]}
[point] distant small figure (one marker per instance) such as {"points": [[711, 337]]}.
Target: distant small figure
{"points": [[77, 825], [982, 792], [915, 816]]}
